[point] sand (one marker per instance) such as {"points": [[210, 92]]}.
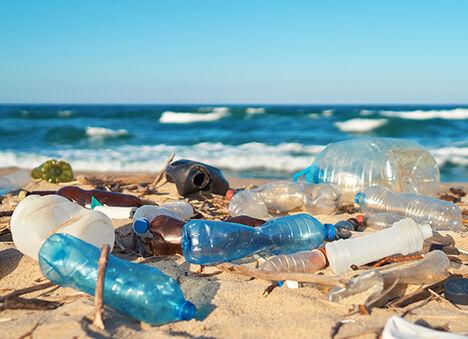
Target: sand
{"points": [[228, 305]]}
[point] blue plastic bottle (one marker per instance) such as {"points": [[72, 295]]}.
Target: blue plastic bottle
{"points": [[143, 292], [205, 241]]}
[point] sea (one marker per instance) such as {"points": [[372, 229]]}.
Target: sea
{"points": [[265, 141]]}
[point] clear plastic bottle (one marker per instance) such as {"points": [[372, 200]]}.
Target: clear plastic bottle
{"points": [[400, 165], [37, 217], [300, 262], [14, 181], [431, 269], [440, 214], [404, 237], [281, 197], [205, 241], [144, 215], [143, 292], [380, 220]]}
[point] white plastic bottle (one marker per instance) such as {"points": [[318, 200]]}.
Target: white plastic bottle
{"points": [[400, 165], [404, 237], [440, 214], [144, 215], [38, 217], [14, 181]]}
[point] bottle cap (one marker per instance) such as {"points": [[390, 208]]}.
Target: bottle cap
{"points": [[456, 290], [359, 198], [141, 225], [360, 219], [331, 231], [187, 310], [229, 194]]}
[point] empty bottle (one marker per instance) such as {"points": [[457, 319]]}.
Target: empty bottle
{"points": [[145, 214], [191, 176], [281, 197], [431, 269], [440, 214], [205, 241], [53, 171], [143, 292], [14, 181], [36, 218], [400, 165], [404, 237], [300, 262], [380, 220], [162, 237], [84, 197]]}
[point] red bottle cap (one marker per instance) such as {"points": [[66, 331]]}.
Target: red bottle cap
{"points": [[360, 218], [229, 194]]}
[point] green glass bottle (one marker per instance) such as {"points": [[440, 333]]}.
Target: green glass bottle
{"points": [[53, 171]]}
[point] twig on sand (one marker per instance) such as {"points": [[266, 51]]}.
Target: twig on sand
{"points": [[28, 290], [30, 332], [158, 178], [282, 276], [102, 263]]}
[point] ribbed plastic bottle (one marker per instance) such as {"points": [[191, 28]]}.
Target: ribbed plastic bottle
{"points": [[144, 215], [14, 181], [380, 220], [281, 197], [440, 214], [84, 197], [36, 218], [400, 165], [300, 262], [404, 237], [205, 241], [143, 292]]}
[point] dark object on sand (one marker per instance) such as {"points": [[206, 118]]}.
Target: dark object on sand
{"points": [[456, 290], [191, 176], [246, 220], [83, 197]]}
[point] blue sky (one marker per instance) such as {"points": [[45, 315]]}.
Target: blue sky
{"points": [[234, 51]]}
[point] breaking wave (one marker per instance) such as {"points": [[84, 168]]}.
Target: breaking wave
{"points": [[170, 117], [360, 125], [451, 114]]}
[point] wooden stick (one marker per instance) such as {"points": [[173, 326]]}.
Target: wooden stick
{"points": [[28, 290], [282, 276], [102, 263], [160, 174]]}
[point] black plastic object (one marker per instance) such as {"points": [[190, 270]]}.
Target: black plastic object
{"points": [[456, 290], [191, 176]]}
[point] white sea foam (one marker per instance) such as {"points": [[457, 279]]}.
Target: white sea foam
{"points": [[101, 132], [327, 112], [285, 157], [453, 155], [170, 117], [64, 114], [452, 114], [360, 125], [314, 115], [366, 112], [255, 110]]}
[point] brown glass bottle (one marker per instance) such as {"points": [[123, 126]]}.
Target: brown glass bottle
{"points": [[83, 197]]}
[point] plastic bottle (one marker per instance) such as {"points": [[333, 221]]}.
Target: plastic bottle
{"points": [[300, 262], [380, 220], [440, 214], [53, 171], [404, 237], [400, 165], [431, 269], [14, 181], [143, 292], [205, 241], [281, 197], [191, 176], [84, 197], [145, 214], [36, 218]]}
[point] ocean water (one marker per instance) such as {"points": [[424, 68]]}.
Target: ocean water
{"points": [[247, 141]]}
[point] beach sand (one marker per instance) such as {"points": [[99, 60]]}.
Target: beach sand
{"points": [[228, 305]]}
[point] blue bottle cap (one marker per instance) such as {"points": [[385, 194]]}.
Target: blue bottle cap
{"points": [[456, 290], [187, 310], [359, 198], [331, 231], [141, 225]]}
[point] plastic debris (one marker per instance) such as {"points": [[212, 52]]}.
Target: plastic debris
{"points": [[53, 171]]}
